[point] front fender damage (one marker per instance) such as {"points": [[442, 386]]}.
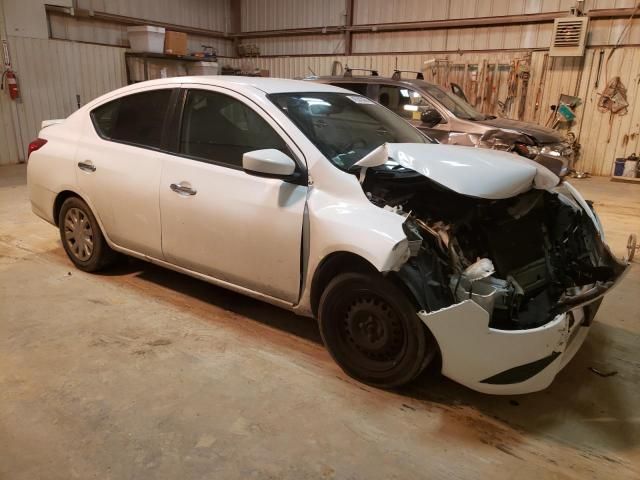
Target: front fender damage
{"points": [[508, 285]]}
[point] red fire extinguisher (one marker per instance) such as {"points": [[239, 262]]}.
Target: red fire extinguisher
{"points": [[9, 77]]}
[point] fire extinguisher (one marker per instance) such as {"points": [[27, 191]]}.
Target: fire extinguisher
{"points": [[9, 77]]}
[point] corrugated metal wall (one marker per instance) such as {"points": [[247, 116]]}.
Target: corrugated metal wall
{"points": [[388, 11], [572, 76], [8, 131], [209, 14], [259, 15], [51, 74], [64, 27], [602, 32]]}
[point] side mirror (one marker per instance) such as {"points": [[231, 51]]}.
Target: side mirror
{"points": [[431, 117], [268, 163]]}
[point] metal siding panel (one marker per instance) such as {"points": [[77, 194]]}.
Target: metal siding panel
{"points": [[52, 73], [210, 14], [259, 15], [550, 5]]}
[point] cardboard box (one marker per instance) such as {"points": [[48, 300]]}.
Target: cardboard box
{"points": [[175, 43]]}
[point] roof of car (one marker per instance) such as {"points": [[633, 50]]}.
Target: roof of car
{"points": [[267, 85]]}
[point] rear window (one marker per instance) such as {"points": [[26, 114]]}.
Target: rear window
{"points": [[136, 119]]}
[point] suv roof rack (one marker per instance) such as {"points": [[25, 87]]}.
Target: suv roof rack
{"points": [[348, 71], [397, 74]]}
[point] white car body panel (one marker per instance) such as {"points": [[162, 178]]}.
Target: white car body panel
{"points": [[258, 235], [467, 170], [132, 220], [213, 232], [479, 354]]}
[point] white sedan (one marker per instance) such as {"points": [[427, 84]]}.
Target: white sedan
{"points": [[319, 200]]}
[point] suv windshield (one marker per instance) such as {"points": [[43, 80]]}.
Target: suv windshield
{"points": [[453, 103], [345, 127]]}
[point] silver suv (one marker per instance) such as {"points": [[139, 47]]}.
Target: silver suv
{"points": [[448, 118]]}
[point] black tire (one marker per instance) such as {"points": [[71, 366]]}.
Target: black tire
{"points": [[371, 330], [85, 232]]}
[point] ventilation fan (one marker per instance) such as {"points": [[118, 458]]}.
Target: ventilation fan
{"points": [[569, 37]]}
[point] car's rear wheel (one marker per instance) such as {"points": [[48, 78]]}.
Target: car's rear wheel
{"points": [[82, 238], [372, 331]]}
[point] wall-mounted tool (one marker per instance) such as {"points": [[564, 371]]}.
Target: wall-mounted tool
{"points": [[543, 77], [524, 74], [599, 68]]}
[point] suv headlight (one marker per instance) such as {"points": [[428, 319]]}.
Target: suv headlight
{"points": [[529, 151], [553, 150]]}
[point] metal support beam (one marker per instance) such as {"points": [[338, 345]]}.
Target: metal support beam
{"points": [[348, 29], [236, 23], [122, 20], [348, 23]]}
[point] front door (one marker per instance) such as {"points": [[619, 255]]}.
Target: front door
{"points": [[219, 220]]}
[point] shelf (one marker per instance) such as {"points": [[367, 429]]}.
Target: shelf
{"points": [[148, 57], [166, 56]]}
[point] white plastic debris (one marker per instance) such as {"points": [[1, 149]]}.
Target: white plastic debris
{"points": [[482, 268]]}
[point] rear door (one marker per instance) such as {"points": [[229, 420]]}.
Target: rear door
{"points": [[219, 220], [119, 161]]}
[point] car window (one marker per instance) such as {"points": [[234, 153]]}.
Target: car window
{"points": [[360, 88], [396, 98], [136, 119], [456, 105], [345, 127], [219, 129]]}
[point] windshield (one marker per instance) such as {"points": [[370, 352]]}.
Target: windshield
{"points": [[453, 103], [345, 127]]}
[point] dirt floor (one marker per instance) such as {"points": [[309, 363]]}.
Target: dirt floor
{"points": [[141, 373]]}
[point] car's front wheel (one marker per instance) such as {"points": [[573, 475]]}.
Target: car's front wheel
{"points": [[372, 331], [82, 238]]}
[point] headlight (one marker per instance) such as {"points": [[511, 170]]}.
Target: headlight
{"points": [[495, 144], [529, 151], [553, 150]]}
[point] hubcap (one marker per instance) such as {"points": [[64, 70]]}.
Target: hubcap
{"points": [[78, 234]]}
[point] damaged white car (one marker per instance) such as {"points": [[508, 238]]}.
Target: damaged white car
{"points": [[323, 202]]}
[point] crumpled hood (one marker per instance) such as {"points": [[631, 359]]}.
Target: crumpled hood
{"points": [[541, 135], [470, 171]]}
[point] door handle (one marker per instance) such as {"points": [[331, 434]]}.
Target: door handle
{"points": [[87, 166], [182, 189]]}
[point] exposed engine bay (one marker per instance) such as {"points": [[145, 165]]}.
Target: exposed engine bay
{"points": [[524, 259]]}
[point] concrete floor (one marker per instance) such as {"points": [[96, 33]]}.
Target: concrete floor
{"points": [[141, 373]]}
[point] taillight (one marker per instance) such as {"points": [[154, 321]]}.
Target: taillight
{"points": [[37, 144]]}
